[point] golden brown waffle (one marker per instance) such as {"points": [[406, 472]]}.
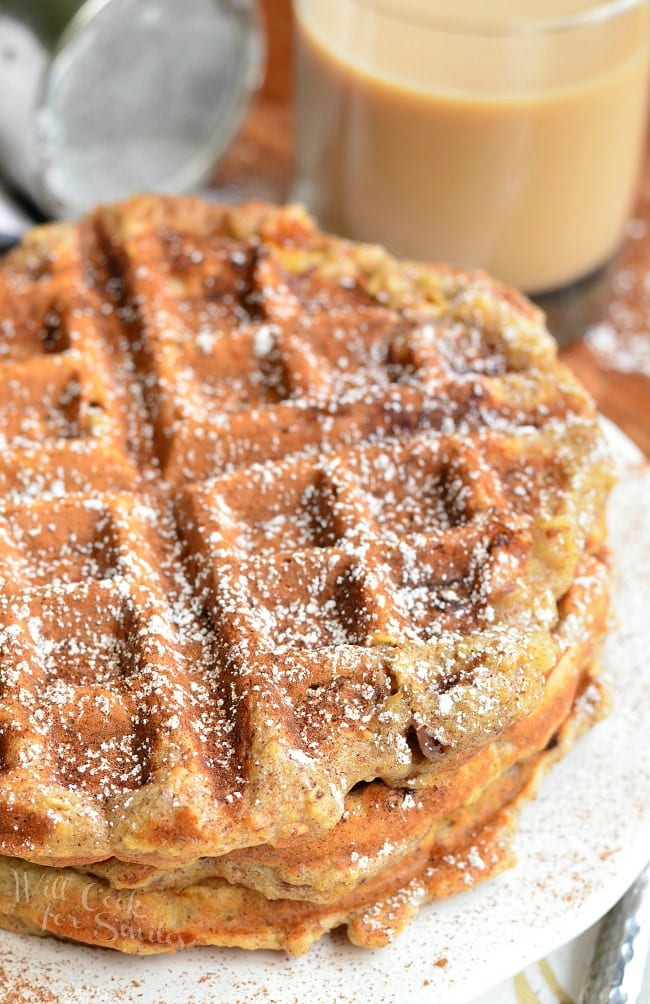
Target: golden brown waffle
{"points": [[279, 517]]}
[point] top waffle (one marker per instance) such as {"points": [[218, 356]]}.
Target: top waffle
{"points": [[278, 514]]}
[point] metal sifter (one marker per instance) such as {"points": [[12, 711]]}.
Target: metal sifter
{"points": [[106, 97]]}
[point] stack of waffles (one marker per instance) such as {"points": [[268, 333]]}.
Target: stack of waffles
{"points": [[302, 585]]}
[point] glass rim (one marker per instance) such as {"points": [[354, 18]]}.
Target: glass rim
{"points": [[505, 27]]}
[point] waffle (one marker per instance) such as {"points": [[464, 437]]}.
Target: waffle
{"points": [[288, 530]]}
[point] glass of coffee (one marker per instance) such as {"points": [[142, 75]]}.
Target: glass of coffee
{"points": [[506, 136]]}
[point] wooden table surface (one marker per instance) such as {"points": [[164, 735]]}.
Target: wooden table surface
{"points": [[602, 323]]}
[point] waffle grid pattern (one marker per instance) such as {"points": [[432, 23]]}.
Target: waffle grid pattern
{"points": [[273, 523]]}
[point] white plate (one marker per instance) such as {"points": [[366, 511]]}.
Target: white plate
{"points": [[579, 846]]}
